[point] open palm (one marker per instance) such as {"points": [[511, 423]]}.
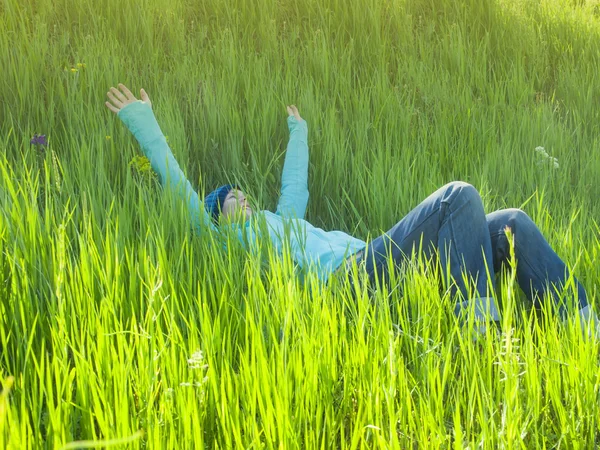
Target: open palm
{"points": [[121, 99]]}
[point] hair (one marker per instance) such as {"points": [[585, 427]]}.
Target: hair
{"points": [[213, 202]]}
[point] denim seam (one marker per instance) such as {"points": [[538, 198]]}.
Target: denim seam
{"points": [[453, 248]]}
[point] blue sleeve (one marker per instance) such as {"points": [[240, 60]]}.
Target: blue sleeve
{"points": [[294, 180], [139, 119]]}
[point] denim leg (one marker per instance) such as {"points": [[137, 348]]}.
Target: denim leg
{"points": [[538, 266], [452, 221]]}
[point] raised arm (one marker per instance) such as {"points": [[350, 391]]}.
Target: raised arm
{"points": [[137, 115], [294, 180]]}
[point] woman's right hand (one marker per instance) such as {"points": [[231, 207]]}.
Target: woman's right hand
{"points": [[121, 99], [293, 111]]}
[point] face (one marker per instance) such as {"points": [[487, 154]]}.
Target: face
{"points": [[236, 206]]}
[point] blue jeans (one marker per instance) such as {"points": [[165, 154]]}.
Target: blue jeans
{"points": [[452, 222]]}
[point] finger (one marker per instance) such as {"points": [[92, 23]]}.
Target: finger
{"points": [[127, 92], [144, 96], [111, 107], [118, 94], [117, 102], [289, 110]]}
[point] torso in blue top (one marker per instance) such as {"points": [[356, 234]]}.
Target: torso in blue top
{"points": [[310, 247]]}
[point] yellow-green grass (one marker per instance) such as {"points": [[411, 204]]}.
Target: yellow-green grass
{"points": [[106, 299]]}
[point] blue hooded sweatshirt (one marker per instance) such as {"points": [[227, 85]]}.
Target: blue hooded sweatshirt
{"points": [[310, 247]]}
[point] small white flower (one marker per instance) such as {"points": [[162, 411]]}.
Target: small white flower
{"points": [[185, 384], [541, 151], [195, 361], [546, 158]]}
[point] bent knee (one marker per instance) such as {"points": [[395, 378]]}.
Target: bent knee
{"points": [[516, 218], [463, 188], [517, 215]]}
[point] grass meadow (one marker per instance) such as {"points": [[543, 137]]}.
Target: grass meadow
{"points": [[121, 329]]}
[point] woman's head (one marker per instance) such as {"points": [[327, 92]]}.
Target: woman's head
{"points": [[228, 203], [235, 206]]}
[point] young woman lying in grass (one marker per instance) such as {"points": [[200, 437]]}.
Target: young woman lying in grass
{"points": [[451, 223]]}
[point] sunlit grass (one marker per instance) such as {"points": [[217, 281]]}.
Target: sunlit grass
{"points": [[107, 300]]}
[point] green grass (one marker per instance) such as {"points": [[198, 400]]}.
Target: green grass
{"points": [[105, 295]]}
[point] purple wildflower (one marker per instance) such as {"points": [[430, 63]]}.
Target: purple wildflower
{"points": [[39, 139]]}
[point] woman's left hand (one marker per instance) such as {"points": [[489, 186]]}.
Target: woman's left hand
{"points": [[121, 99]]}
